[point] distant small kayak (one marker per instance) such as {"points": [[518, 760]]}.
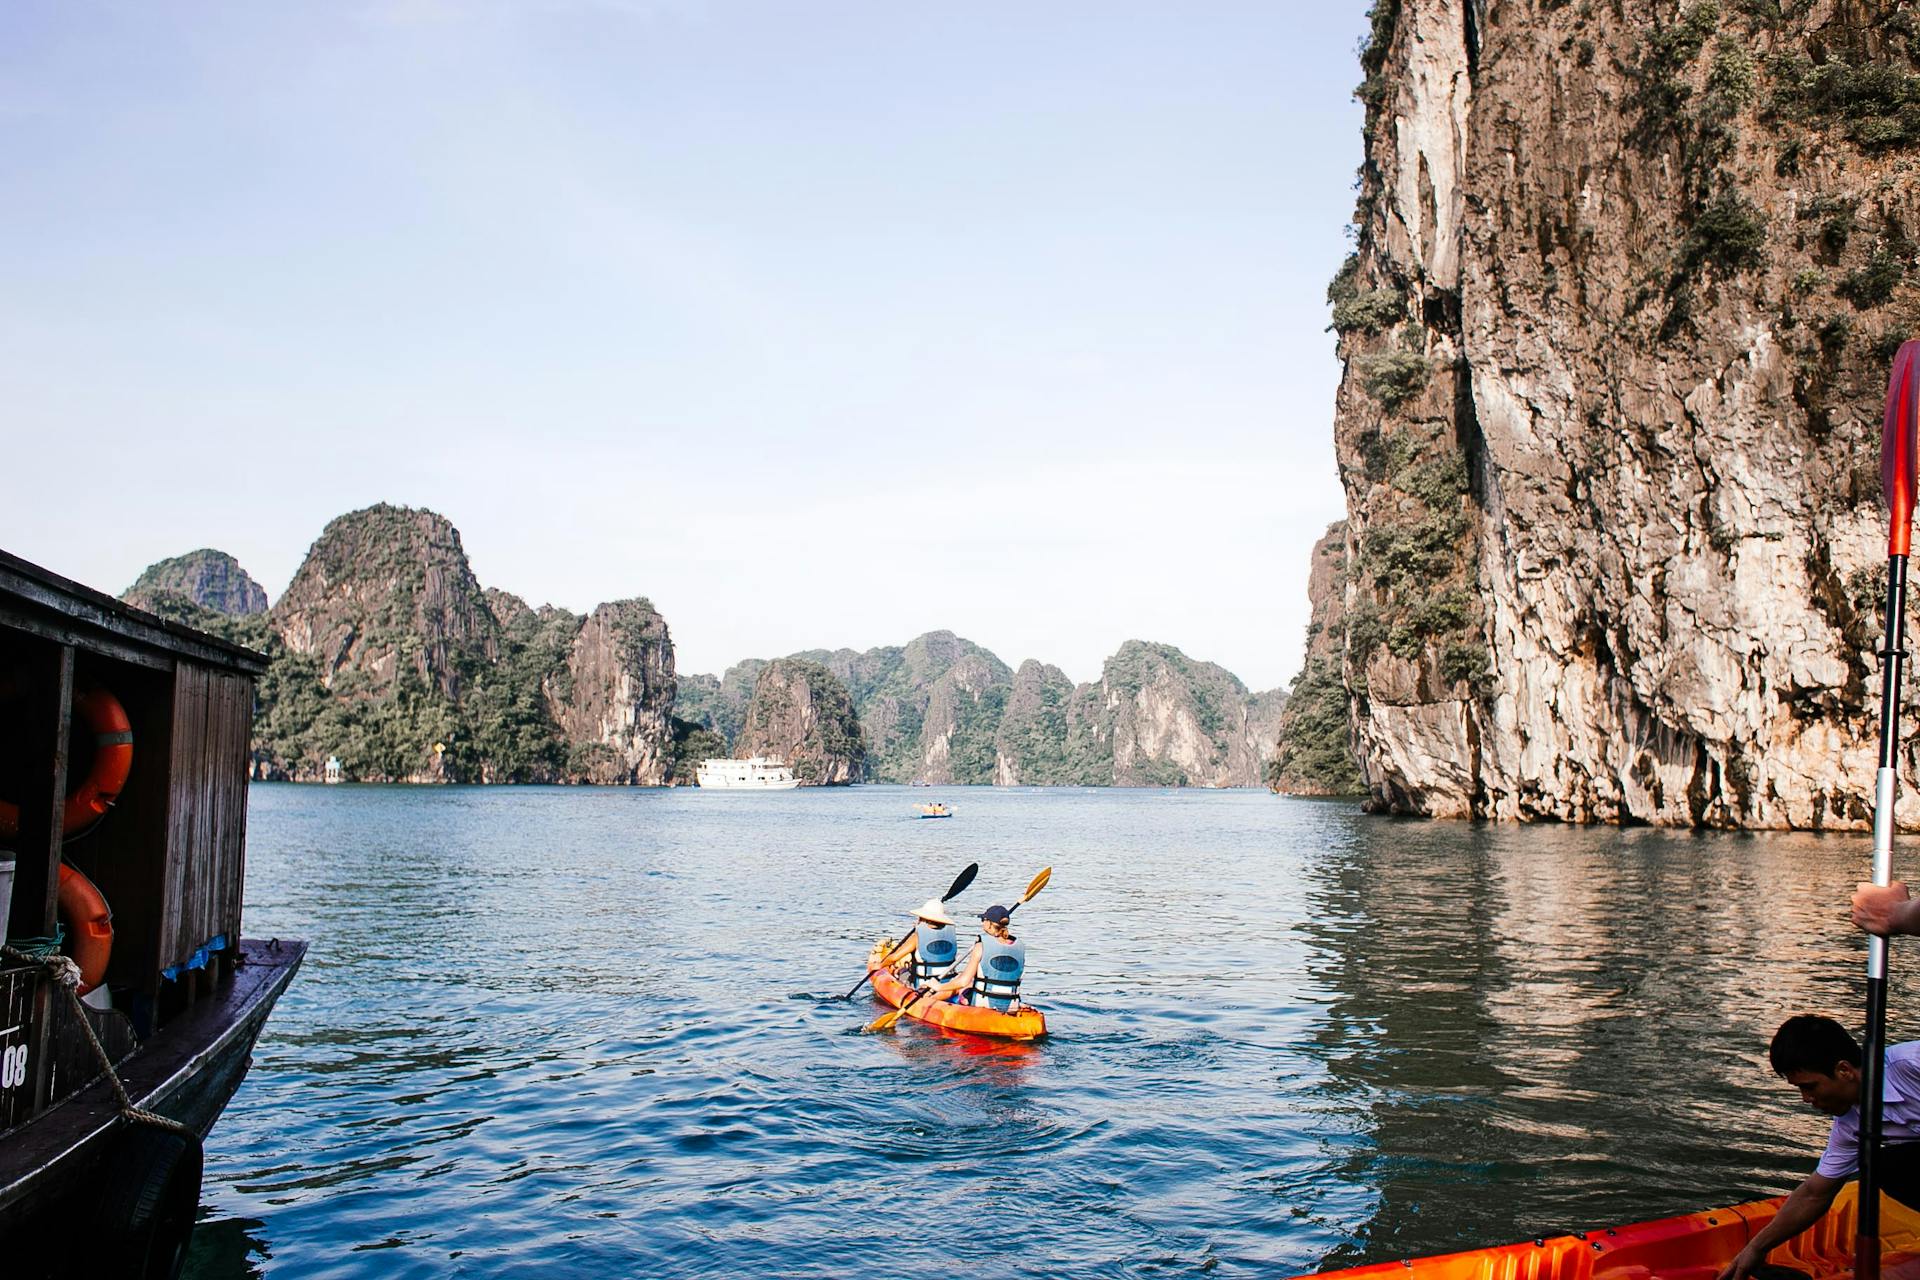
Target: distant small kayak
{"points": [[935, 811], [1027, 1023]]}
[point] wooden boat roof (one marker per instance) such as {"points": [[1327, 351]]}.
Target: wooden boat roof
{"points": [[42, 603]]}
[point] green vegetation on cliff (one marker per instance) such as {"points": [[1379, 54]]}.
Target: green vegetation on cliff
{"points": [[1042, 738], [1316, 754], [719, 705], [936, 689], [801, 713], [386, 654], [208, 578]]}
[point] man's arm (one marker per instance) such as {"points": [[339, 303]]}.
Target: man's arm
{"points": [[1806, 1206], [1885, 909], [908, 945]]}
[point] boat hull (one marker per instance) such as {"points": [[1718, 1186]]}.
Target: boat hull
{"points": [[1693, 1246], [52, 1167], [1027, 1024]]}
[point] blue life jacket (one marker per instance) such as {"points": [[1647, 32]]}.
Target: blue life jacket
{"points": [[935, 948], [997, 983]]}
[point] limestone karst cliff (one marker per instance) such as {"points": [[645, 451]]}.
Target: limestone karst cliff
{"points": [[386, 654], [928, 708], [385, 596], [1045, 738], [801, 713], [207, 578], [619, 694], [1627, 280], [942, 710], [1171, 721]]}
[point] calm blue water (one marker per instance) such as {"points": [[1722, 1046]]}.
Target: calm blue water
{"points": [[591, 1032]]}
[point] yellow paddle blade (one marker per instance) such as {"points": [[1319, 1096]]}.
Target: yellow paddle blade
{"points": [[1039, 883], [886, 1020]]}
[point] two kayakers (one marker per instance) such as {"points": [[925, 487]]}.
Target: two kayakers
{"points": [[1818, 1057], [930, 945], [990, 975]]}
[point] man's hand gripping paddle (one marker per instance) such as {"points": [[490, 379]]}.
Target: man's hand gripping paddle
{"points": [[886, 1020], [1899, 479]]}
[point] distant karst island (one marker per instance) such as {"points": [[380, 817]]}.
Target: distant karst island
{"points": [[388, 657]]}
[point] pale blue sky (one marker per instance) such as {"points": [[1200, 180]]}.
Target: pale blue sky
{"points": [[820, 324]]}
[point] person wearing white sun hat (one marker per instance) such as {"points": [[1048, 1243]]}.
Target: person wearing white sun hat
{"points": [[928, 948]]}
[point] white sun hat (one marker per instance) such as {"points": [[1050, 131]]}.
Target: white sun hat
{"points": [[933, 912]]}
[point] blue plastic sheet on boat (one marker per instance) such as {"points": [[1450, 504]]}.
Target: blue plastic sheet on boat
{"points": [[198, 960]]}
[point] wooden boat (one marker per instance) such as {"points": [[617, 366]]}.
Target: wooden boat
{"points": [[91, 1184], [1693, 1246], [935, 811], [1028, 1023]]}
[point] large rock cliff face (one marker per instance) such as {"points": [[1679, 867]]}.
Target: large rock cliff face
{"points": [[929, 709], [614, 704], [802, 714], [944, 710], [387, 590], [1046, 737], [207, 578], [1627, 283], [386, 654], [1171, 721]]}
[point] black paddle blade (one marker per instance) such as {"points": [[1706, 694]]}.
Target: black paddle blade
{"points": [[1900, 446], [961, 881]]}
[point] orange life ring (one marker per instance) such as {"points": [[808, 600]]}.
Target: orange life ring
{"points": [[112, 760], [106, 719], [89, 926]]}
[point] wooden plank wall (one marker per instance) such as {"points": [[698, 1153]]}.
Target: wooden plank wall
{"points": [[207, 818], [231, 700]]}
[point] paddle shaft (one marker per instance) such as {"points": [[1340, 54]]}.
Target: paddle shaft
{"points": [[1866, 1249]]}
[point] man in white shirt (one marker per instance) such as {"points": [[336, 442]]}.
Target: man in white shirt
{"points": [[1819, 1058]]}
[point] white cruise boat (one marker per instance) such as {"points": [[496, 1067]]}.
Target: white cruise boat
{"points": [[758, 773]]}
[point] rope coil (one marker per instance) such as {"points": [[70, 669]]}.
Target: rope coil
{"points": [[66, 975]]}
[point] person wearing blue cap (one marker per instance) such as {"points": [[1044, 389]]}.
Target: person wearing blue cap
{"points": [[990, 975]]}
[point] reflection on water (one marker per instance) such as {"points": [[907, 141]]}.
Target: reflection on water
{"points": [[227, 1249], [1578, 1018], [584, 1031]]}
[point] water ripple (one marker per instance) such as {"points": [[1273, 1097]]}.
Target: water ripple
{"points": [[598, 1032]]}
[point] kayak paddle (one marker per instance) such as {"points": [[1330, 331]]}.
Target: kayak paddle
{"points": [[960, 883], [886, 1020], [1034, 886], [1899, 458]]}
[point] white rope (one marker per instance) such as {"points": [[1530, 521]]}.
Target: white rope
{"points": [[66, 974]]}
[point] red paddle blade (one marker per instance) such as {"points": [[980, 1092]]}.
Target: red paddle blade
{"points": [[1900, 446]]}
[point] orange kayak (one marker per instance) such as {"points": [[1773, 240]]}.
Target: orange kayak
{"points": [[1693, 1246], [1027, 1023]]}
